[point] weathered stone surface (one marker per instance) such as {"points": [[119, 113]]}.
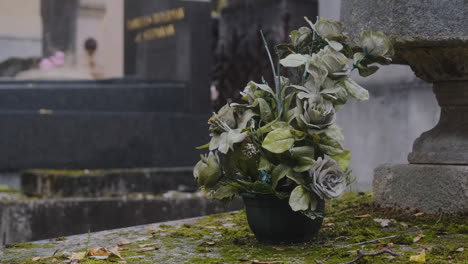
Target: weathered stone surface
{"points": [[226, 238], [114, 95], [411, 22], [432, 189], [430, 36], [106, 183], [83, 140], [33, 219], [447, 142]]}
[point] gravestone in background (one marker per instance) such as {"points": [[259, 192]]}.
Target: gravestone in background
{"points": [[59, 22], [170, 40], [154, 118]]}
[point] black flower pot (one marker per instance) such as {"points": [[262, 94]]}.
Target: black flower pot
{"points": [[273, 221]]}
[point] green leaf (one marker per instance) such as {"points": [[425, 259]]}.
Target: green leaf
{"points": [[335, 45], [300, 199], [278, 173], [296, 177], [330, 141], [294, 60], [264, 164], [343, 159], [304, 157], [263, 87], [367, 71], [207, 145], [355, 90], [279, 124], [278, 140], [265, 111], [224, 192]]}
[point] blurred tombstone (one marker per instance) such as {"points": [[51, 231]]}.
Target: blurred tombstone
{"points": [[170, 40], [59, 25], [240, 55]]}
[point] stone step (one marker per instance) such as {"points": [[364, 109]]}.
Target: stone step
{"points": [[106, 183], [35, 219]]}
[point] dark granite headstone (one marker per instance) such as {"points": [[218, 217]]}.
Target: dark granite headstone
{"points": [[105, 124], [170, 40]]}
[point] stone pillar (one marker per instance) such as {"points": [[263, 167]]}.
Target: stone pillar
{"points": [[431, 37]]}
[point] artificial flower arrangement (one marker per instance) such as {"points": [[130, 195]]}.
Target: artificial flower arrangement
{"points": [[284, 140]]}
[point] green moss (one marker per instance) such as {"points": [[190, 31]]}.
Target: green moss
{"points": [[26, 246], [226, 238]]}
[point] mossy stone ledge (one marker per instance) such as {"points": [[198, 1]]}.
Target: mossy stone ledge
{"points": [[350, 223]]}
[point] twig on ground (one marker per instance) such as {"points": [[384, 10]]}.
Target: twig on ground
{"points": [[367, 242], [361, 254]]}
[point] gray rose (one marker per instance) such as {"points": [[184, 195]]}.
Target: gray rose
{"points": [[328, 179], [207, 172], [315, 113]]}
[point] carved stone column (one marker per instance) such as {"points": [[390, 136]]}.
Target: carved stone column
{"points": [[432, 38]]}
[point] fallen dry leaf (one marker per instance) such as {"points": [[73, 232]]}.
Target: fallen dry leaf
{"points": [[428, 249], [419, 214], [98, 252], [146, 249], [104, 253], [382, 246], [115, 254], [363, 216], [78, 255], [36, 258], [418, 237], [329, 224], [123, 242], [421, 258]]}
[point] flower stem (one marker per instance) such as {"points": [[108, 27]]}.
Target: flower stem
{"points": [[275, 76]]}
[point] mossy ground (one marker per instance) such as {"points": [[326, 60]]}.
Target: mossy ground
{"points": [[226, 238]]}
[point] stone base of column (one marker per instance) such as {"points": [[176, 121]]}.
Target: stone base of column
{"points": [[432, 189]]}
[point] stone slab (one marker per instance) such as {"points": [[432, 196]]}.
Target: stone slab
{"points": [[35, 219], [433, 189], [112, 95], [106, 183], [226, 238], [81, 140]]}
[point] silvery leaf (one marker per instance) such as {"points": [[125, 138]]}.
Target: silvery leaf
{"points": [[300, 199], [278, 140], [355, 90], [295, 60]]}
